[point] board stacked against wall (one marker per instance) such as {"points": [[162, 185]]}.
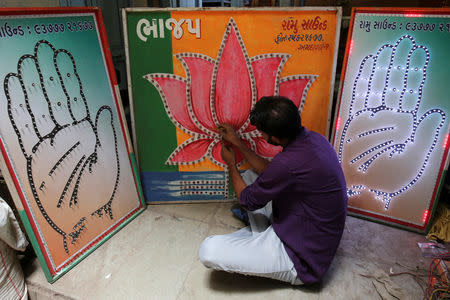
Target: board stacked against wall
{"points": [[190, 70], [65, 152], [392, 124]]}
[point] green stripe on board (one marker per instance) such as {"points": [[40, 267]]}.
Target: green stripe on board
{"points": [[94, 247], [155, 133], [436, 201], [35, 245], [40, 256], [138, 179]]}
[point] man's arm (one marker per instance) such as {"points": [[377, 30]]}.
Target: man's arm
{"points": [[256, 162], [236, 179]]}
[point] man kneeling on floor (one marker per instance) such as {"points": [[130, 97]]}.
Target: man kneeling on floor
{"points": [[296, 204]]}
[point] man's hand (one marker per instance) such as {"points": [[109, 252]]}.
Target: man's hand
{"points": [[228, 154], [229, 134], [231, 138]]}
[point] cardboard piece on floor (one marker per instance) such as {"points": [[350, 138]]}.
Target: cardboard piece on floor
{"points": [[191, 69], [393, 113], [65, 154]]}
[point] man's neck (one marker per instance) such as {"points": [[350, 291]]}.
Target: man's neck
{"points": [[284, 142]]}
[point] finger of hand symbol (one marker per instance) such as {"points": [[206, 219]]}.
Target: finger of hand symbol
{"points": [[399, 71], [52, 87], [19, 115], [361, 85], [39, 107], [106, 151], [415, 76], [379, 77], [71, 85], [105, 131]]}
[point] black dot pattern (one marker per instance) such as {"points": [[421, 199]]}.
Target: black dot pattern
{"points": [[58, 163], [227, 180], [69, 181], [74, 197], [107, 207], [83, 97], [39, 204], [78, 229], [201, 187], [38, 191]]}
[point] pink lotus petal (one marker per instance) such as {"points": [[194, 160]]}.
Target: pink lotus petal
{"points": [[249, 128], [200, 70], [216, 153], [173, 92], [294, 89], [233, 93], [265, 149], [190, 151], [265, 71]]}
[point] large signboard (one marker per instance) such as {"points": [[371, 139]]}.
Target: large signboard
{"points": [[191, 70], [65, 153], [392, 124]]}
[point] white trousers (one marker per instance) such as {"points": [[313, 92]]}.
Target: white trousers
{"points": [[253, 250]]}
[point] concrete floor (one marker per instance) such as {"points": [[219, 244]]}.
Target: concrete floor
{"points": [[156, 257]]}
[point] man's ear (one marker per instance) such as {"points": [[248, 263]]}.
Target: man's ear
{"points": [[279, 141], [275, 140]]}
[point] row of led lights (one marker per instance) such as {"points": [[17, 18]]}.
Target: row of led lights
{"points": [[381, 93], [400, 68]]}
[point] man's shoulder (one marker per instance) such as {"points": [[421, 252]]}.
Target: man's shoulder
{"points": [[306, 150], [280, 160], [313, 139], [310, 134], [289, 159]]}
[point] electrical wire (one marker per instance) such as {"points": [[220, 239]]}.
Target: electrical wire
{"points": [[438, 287]]}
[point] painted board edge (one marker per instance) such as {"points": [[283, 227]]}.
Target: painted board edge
{"points": [[333, 70]]}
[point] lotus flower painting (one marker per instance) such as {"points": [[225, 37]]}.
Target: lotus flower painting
{"points": [[217, 82], [223, 90]]}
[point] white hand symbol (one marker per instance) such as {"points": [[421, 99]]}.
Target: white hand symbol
{"points": [[384, 132], [65, 149]]}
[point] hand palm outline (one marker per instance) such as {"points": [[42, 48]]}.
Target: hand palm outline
{"points": [[49, 113], [398, 107]]}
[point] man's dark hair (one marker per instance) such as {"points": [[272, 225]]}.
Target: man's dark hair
{"points": [[277, 116]]}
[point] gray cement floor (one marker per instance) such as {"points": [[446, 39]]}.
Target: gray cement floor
{"points": [[156, 257]]}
